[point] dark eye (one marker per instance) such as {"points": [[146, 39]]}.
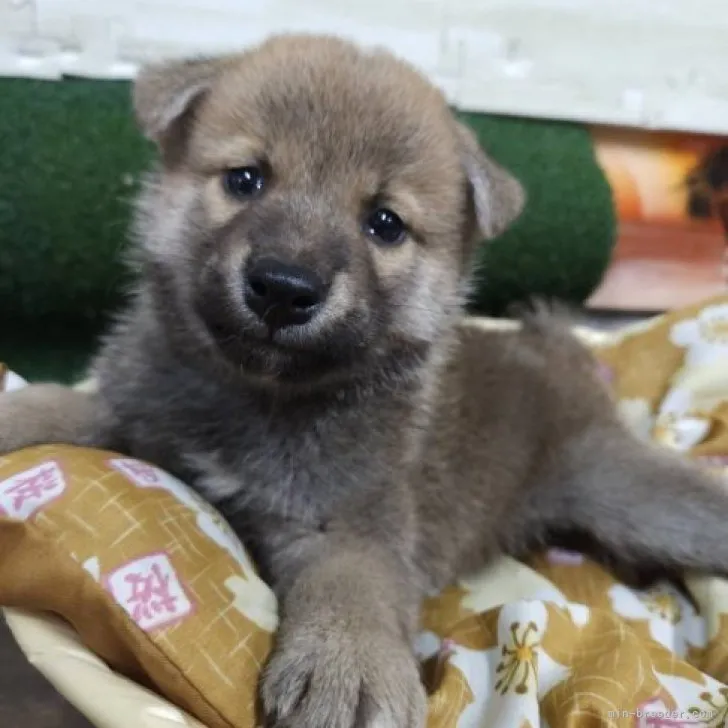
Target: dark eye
{"points": [[385, 225], [244, 181]]}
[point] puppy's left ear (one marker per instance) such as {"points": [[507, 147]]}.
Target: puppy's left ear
{"points": [[497, 196]]}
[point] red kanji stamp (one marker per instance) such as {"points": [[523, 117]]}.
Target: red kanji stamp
{"points": [[150, 591], [141, 474], [24, 494]]}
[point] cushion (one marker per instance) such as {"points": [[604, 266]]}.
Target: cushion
{"points": [[148, 575], [119, 580]]}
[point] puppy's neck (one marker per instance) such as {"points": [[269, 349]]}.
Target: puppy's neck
{"points": [[406, 374]]}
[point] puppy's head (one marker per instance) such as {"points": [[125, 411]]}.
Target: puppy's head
{"points": [[315, 208]]}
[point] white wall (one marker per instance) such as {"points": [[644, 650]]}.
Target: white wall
{"points": [[650, 63]]}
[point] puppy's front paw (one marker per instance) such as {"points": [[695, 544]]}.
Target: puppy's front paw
{"points": [[42, 414], [320, 678], [21, 420]]}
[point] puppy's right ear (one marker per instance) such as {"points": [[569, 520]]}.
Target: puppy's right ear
{"points": [[165, 94]]}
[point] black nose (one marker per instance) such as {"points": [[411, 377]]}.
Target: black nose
{"points": [[281, 294]]}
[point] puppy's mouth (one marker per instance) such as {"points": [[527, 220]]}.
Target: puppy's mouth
{"points": [[272, 345]]}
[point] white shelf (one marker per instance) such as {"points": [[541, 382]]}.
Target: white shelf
{"points": [[643, 63]]}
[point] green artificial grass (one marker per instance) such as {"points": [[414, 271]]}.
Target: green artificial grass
{"points": [[70, 165], [49, 351], [561, 245], [70, 162]]}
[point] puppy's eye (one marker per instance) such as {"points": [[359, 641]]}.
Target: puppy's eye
{"points": [[244, 181], [386, 226]]}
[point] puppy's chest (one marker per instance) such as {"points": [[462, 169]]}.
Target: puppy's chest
{"points": [[293, 470], [296, 460]]}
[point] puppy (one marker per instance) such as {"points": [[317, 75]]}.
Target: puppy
{"points": [[294, 349]]}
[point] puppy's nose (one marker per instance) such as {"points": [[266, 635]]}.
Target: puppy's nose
{"points": [[282, 294]]}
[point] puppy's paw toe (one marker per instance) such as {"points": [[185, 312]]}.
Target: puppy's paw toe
{"points": [[314, 681]]}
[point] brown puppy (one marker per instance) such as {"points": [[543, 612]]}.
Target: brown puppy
{"points": [[294, 350]]}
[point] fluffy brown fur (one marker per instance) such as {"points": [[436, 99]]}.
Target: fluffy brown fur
{"points": [[381, 448]]}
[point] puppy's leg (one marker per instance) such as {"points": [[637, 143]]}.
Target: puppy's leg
{"points": [[344, 653], [641, 509], [649, 510], [47, 414]]}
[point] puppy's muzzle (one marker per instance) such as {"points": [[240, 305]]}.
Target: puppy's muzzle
{"points": [[281, 294]]}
